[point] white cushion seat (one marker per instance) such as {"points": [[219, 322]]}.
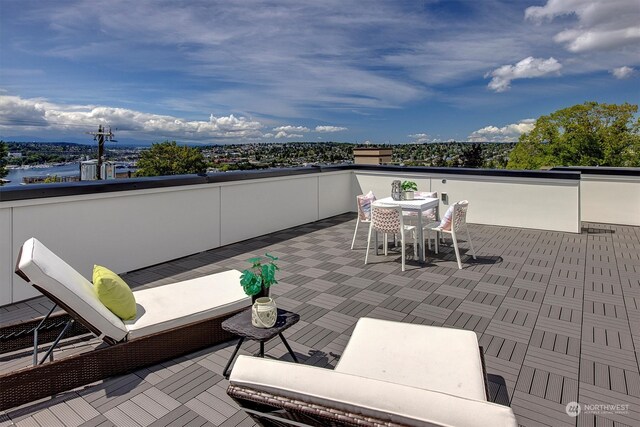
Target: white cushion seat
{"points": [[439, 359], [383, 400], [178, 304]]}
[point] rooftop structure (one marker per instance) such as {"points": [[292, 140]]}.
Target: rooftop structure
{"points": [[557, 311], [371, 156]]}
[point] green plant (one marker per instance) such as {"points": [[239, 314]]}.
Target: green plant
{"points": [[409, 186], [262, 273]]}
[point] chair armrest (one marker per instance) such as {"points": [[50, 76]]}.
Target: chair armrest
{"points": [[328, 395]]}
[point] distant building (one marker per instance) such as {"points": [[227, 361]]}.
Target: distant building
{"points": [[371, 156], [88, 170], [15, 155]]}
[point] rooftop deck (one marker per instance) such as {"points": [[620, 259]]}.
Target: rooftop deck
{"points": [[558, 315]]}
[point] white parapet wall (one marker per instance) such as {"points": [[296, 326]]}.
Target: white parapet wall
{"points": [[514, 201], [610, 199], [128, 230], [152, 222]]}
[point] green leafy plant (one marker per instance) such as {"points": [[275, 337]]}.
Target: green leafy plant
{"points": [[409, 186], [262, 273]]}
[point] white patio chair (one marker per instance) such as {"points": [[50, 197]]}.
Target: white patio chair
{"points": [[364, 212], [452, 223], [388, 219]]}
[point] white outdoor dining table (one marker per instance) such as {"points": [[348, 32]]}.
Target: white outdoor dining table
{"points": [[418, 206]]}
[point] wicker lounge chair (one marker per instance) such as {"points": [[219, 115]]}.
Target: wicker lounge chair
{"points": [[171, 320], [390, 374]]}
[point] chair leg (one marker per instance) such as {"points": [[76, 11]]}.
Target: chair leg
{"points": [[455, 247], [428, 239], [366, 255], [473, 251], [386, 244], [355, 232], [437, 239], [403, 254]]}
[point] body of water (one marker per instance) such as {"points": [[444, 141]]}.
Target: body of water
{"points": [[16, 175]]}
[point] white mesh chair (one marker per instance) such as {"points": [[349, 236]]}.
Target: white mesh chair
{"points": [[456, 218], [364, 212], [388, 219]]}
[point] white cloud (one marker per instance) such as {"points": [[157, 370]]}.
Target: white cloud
{"points": [[622, 72], [283, 134], [289, 129], [420, 138], [527, 68], [330, 129], [17, 113], [21, 112], [602, 24], [502, 134], [423, 138]]}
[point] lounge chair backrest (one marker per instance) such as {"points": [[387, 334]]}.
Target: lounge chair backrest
{"points": [[69, 289]]}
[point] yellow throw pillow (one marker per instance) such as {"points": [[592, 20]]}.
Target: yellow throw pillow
{"points": [[114, 293]]}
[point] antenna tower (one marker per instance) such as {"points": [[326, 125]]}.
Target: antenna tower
{"points": [[100, 136]]}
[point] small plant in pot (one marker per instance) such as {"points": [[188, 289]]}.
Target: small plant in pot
{"points": [[408, 187], [257, 279]]}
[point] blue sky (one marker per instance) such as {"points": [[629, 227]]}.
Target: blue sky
{"points": [[278, 71]]}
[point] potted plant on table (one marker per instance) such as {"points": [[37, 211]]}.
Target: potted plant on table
{"points": [[408, 187], [256, 282]]}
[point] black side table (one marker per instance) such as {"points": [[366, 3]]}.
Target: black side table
{"points": [[240, 325]]}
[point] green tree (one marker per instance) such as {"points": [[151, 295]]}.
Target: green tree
{"points": [[169, 158], [471, 156], [4, 152], [588, 134], [51, 179]]}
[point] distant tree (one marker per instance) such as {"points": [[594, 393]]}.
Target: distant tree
{"points": [[588, 134], [168, 158], [52, 178], [4, 152], [471, 156]]}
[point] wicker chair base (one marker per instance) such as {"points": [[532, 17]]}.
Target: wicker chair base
{"points": [[48, 379], [270, 410]]}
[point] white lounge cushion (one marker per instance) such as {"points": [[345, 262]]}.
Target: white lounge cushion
{"points": [[178, 304], [49, 272], [369, 397], [427, 357]]}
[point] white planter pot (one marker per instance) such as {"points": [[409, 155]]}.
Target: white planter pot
{"points": [[264, 313], [407, 195]]}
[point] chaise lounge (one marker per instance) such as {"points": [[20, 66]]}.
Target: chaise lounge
{"points": [[390, 374], [171, 320]]}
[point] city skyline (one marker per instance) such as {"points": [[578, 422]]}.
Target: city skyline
{"points": [[390, 72]]}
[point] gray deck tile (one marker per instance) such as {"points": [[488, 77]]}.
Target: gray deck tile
{"points": [[558, 315], [100, 421], [119, 418]]}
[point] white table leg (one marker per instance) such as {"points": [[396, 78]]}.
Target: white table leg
{"points": [[421, 234]]}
